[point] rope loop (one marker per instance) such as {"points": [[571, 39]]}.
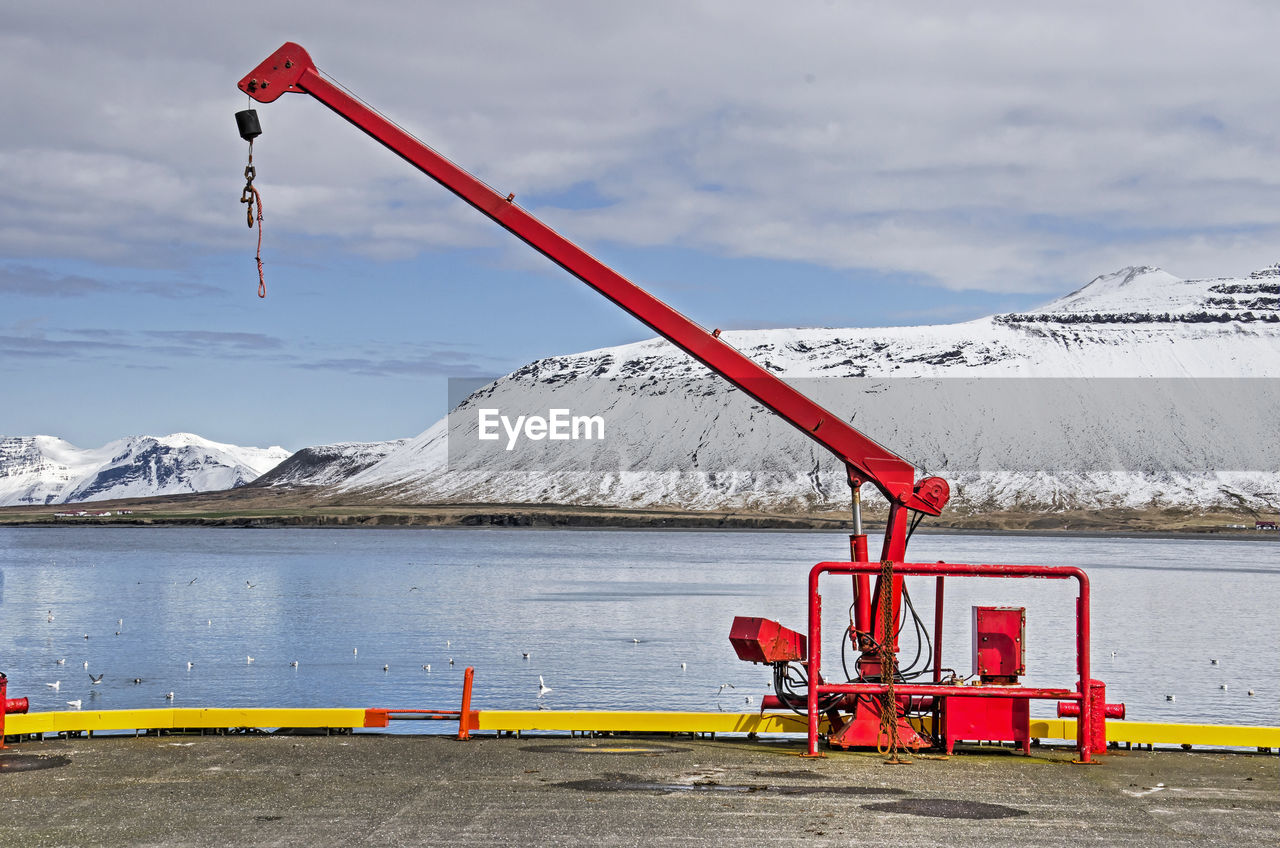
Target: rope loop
{"points": [[253, 198]]}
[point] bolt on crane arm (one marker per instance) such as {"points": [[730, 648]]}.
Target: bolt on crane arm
{"points": [[290, 69]]}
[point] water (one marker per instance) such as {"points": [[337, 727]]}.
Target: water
{"points": [[344, 603]]}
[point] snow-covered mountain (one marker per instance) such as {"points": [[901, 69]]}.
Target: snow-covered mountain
{"points": [[325, 465], [48, 470], [1138, 389]]}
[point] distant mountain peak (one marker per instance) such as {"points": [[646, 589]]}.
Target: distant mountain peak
{"points": [[49, 470], [1147, 295], [1133, 288]]}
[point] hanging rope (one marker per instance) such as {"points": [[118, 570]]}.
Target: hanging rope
{"points": [[888, 702], [252, 198]]}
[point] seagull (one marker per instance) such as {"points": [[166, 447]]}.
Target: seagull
{"points": [[117, 632], [448, 643], [190, 665], [427, 668], [86, 664], [386, 668], [1168, 697], [1223, 687], [192, 581], [723, 686], [414, 589], [682, 666], [748, 699], [62, 661], [543, 688], [55, 685], [450, 660], [86, 636], [75, 705], [209, 623], [1213, 662], [249, 585], [635, 641], [1250, 693], [355, 651], [169, 697], [137, 680], [96, 680], [119, 622], [525, 655], [248, 660], [293, 664], [50, 618]]}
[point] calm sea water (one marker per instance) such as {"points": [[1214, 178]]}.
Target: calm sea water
{"points": [[344, 603]]}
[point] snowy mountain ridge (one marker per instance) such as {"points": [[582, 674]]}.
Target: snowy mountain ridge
{"points": [[1060, 429], [49, 470]]}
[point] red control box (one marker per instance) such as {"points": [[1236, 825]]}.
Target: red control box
{"points": [[999, 635]]}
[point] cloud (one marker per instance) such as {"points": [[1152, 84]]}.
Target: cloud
{"points": [[132, 347], [13, 347], [28, 281], [442, 364], [35, 282], [1010, 147], [433, 359], [199, 341], [154, 348]]}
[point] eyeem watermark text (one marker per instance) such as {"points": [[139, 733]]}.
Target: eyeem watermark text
{"points": [[558, 425]]}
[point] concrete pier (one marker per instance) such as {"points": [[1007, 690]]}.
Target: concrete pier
{"points": [[385, 790]]}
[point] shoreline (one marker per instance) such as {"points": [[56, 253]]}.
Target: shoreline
{"points": [[236, 509]]}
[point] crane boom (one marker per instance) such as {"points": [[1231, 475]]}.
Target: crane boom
{"points": [[290, 69]]}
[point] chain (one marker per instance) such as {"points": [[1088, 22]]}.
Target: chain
{"points": [[888, 702], [252, 198]]}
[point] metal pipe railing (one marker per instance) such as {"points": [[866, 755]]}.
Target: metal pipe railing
{"points": [[817, 688]]}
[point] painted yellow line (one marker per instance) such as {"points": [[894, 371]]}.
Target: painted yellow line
{"points": [[1054, 728], [1133, 732], [168, 719], [1232, 735], [268, 717], [1162, 733], [641, 722], [87, 720]]}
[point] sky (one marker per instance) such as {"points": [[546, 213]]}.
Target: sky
{"points": [[755, 164]]}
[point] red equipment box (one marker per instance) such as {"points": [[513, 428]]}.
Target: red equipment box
{"points": [[987, 720], [999, 654], [764, 641]]}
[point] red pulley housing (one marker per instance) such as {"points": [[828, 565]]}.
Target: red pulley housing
{"points": [[763, 641]]}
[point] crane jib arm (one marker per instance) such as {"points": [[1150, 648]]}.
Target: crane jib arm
{"points": [[290, 69]]}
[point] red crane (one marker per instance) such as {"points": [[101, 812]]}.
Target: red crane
{"points": [[291, 70]]}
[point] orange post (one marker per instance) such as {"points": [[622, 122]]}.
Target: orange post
{"points": [[464, 720]]}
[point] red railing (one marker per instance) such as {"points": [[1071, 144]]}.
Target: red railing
{"points": [[1085, 742], [466, 717]]}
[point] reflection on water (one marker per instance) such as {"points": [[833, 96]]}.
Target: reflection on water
{"points": [[606, 617]]}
